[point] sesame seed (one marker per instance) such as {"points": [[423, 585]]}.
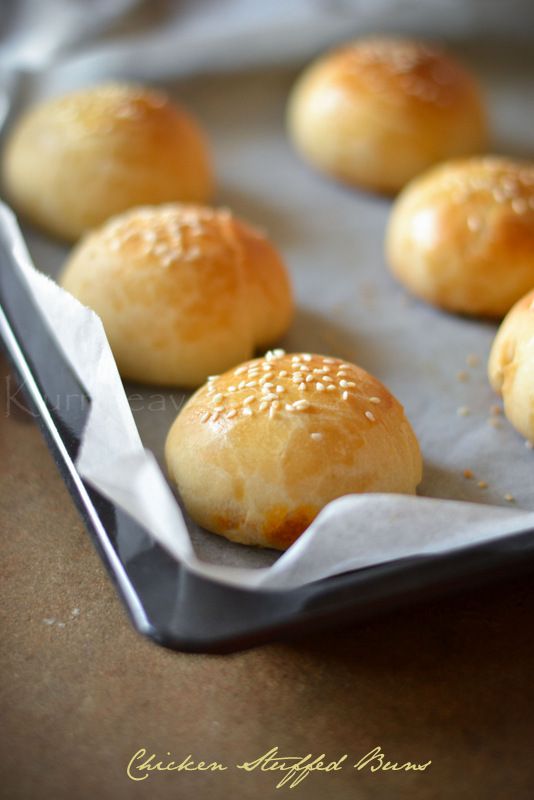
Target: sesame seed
{"points": [[266, 367], [329, 361], [247, 412], [231, 413], [205, 417], [306, 357], [231, 388], [282, 373], [212, 378], [279, 352], [519, 205], [309, 378], [249, 399], [218, 409], [375, 400], [289, 407], [218, 397], [345, 395], [214, 417], [469, 474], [241, 384], [319, 387], [271, 396], [240, 370], [302, 387], [482, 485], [463, 411], [279, 389], [263, 405], [509, 498], [330, 388], [303, 368], [272, 411], [351, 384], [343, 383], [301, 405], [316, 436], [370, 416], [341, 374], [251, 384]]}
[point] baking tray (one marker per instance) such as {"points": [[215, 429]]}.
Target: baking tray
{"points": [[167, 602]]}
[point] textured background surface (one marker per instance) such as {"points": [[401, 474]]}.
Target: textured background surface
{"points": [[451, 682]]}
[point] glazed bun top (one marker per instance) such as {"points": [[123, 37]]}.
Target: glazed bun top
{"points": [[375, 112], [183, 291], [73, 161], [258, 451], [462, 235], [404, 72]]}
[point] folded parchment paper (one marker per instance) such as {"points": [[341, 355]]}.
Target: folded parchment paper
{"points": [[347, 306]]}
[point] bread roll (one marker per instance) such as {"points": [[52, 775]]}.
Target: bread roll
{"points": [[259, 451], [376, 112], [74, 161], [461, 236], [511, 365], [183, 291]]}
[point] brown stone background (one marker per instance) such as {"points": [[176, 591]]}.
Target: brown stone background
{"points": [[451, 681]]}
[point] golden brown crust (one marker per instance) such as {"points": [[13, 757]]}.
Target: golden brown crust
{"points": [[511, 365], [177, 293], [461, 236], [378, 111], [259, 451], [74, 161]]}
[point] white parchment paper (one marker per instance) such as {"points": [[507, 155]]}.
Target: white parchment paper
{"points": [[348, 306]]}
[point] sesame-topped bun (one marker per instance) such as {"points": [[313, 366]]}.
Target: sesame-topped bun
{"points": [[376, 112], [183, 291], [461, 236], [257, 452], [72, 162], [511, 365]]}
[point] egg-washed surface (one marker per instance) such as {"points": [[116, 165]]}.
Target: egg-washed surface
{"points": [[260, 450], [462, 234]]}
